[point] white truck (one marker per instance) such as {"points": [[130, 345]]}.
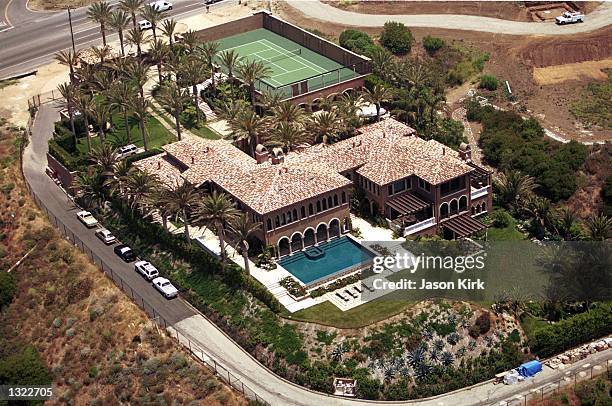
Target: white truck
{"points": [[570, 17]]}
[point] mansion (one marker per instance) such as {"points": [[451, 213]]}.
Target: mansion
{"points": [[302, 198]]}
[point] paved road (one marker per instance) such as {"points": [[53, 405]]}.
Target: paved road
{"points": [[599, 18], [36, 36], [204, 334]]}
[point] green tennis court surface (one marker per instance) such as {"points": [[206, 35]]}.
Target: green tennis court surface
{"points": [[294, 69]]}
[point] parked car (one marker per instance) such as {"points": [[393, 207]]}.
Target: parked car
{"points": [[208, 2], [87, 218], [126, 151], [125, 253], [146, 269], [570, 18], [106, 236], [161, 5], [144, 25], [165, 287]]}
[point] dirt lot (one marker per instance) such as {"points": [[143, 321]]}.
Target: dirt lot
{"points": [[507, 10], [54, 5], [590, 70]]}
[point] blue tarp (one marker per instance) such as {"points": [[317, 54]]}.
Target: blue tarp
{"points": [[530, 368]]}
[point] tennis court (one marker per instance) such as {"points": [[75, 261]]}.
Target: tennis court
{"points": [[294, 69]]}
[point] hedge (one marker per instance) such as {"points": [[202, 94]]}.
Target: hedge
{"points": [[571, 332], [64, 157]]}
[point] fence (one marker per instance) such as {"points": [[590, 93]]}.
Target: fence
{"points": [[197, 352], [587, 372]]}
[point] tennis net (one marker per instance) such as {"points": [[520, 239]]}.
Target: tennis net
{"points": [[288, 54]]}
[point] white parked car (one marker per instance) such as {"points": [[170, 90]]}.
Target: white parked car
{"points": [[146, 269], [161, 5], [144, 25], [570, 18], [126, 150], [87, 218], [106, 236], [165, 287]]}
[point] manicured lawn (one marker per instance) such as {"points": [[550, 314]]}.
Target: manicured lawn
{"points": [[509, 233], [157, 135], [530, 324], [202, 131], [328, 314]]}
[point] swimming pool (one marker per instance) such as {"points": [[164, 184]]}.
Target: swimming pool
{"points": [[340, 254]]}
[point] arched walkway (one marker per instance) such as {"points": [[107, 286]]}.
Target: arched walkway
{"points": [[454, 207], [334, 228], [283, 247], [297, 243], [462, 204], [309, 237], [444, 210], [322, 233]]}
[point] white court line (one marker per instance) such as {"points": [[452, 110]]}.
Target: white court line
{"points": [[303, 61], [267, 60]]}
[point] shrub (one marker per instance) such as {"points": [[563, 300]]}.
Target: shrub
{"points": [[488, 82], [292, 286], [432, 44], [484, 323], [357, 41], [396, 37], [8, 288], [24, 368], [501, 219]]}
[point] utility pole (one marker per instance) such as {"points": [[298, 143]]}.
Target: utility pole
{"points": [[71, 32]]}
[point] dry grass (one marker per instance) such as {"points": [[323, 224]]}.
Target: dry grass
{"points": [[56, 5], [99, 346], [551, 75]]}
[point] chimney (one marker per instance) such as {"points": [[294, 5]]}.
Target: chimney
{"points": [[261, 154], [158, 165], [192, 160], [465, 152], [443, 151], [278, 156]]}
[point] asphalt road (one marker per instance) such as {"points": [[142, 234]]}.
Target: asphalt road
{"points": [[205, 336], [36, 36], [599, 18]]}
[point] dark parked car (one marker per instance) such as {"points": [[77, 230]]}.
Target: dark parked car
{"points": [[125, 253]]}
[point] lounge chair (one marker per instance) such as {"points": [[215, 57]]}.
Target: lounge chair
{"points": [[341, 297], [367, 287], [357, 288], [351, 294]]}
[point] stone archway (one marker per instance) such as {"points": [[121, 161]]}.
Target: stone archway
{"points": [[334, 228], [462, 204], [309, 237], [297, 243], [444, 210], [322, 235], [454, 207], [284, 247]]}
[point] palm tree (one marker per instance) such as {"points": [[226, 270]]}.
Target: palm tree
{"points": [[174, 98], [540, 211], [140, 186], [599, 227], [91, 188], [120, 94], [182, 199], [288, 135], [159, 52], [268, 100], [85, 103], [217, 210], [168, 27], [99, 112], [250, 73], [190, 40], [433, 100], [132, 7], [136, 37], [120, 21], [70, 59], [382, 60], [100, 53], [138, 74], [288, 112], [347, 109], [121, 172], [231, 109], [140, 108], [152, 15], [105, 158], [242, 227], [247, 126], [567, 223], [377, 95], [209, 51], [512, 187], [69, 92], [100, 13], [230, 61], [324, 126], [195, 73]]}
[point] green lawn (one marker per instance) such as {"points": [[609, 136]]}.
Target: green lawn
{"points": [[530, 324], [509, 233], [157, 135], [328, 314], [201, 131]]}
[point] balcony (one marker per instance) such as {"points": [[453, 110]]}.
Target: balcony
{"points": [[423, 225], [480, 192]]}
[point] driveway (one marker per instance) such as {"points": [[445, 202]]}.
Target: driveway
{"points": [[203, 335], [599, 18]]}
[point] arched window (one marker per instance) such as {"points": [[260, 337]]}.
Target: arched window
{"points": [[444, 210], [484, 206], [335, 200], [324, 204], [463, 204], [303, 211], [318, 206], [343, 197], [277, 222], [295, 216], [284, 220], [453, 207], [269, 224], [289, 217], [473, 210], [330, 202], [310, 209]]}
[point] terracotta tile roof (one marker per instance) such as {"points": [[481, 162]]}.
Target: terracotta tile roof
{"points": [[167, 172]]}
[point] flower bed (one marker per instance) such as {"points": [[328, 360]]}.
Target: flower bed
{"points": [[340, 283], [293, 287]]}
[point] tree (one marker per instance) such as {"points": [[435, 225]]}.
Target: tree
{"points": [[140, 186], [250, 73], [268, 100], [194, 72], [24, 367], [85, 103], [324, 126], [132, 7], [168, 28], [377, 95], [159, 52], [100, 13], [120, 20], [247, 126], [598, 227], [230, 61], [540, 211], [216, 210], [154, 16], [70, 59], [347, 109], [488, 82], [512, 187], [287, 112], [432, 44], [288, 135], [120, 94], [140, 109], [182, 199], [138, 74], [69, 92], [136, 37], [567, 223], [382, 63], [92, 188], [100, 53], [396, 37], [99, 112], [8, 288], [105, 159], [174, 98], [121, 172], [242, 227]]}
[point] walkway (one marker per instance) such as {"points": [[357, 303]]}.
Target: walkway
{"points": [[200, 331], [599, 18]]}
